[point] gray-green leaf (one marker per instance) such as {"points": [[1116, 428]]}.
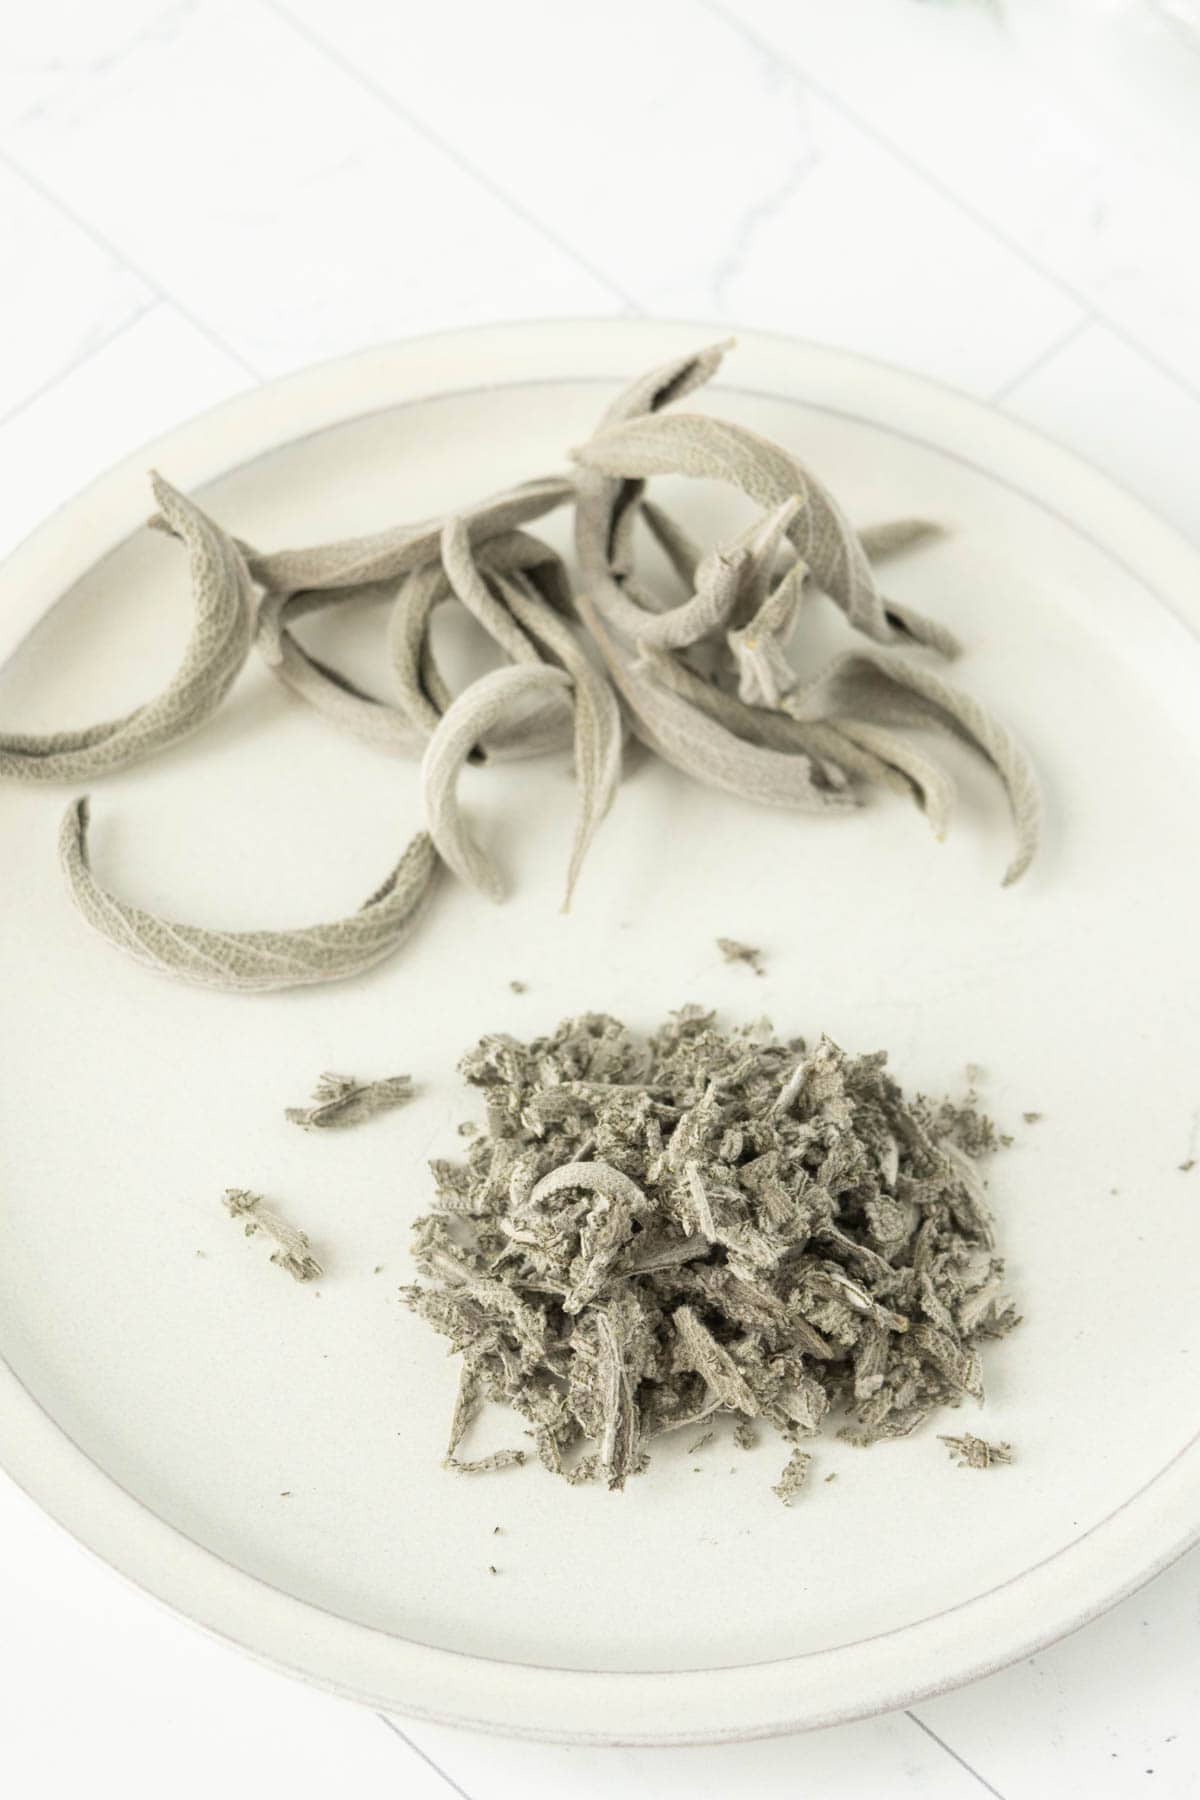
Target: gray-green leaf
{"points": [[220, 641], [251, 961]]}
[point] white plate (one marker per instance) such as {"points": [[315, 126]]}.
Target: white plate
{"points": [[265, 1457]]}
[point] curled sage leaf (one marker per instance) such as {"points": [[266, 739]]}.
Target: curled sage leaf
{"points": [[384, 555], [251, 961], [697, 744], [331, 693], [598, 729], [484, 704], [695, 444], [424, 695], [218, 646], [881, 689]]}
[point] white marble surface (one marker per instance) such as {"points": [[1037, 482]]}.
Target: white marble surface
{"points": [[198, 194]]}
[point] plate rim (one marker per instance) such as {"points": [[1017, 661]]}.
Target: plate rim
{"points": [[515, 1699]]}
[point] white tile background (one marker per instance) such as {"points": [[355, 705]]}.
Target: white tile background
{"points": [[196, 195]]}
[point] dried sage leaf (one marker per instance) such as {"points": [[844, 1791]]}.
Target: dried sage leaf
{"points": [[293, 1252], [218, 646], [471, 716], [344, 1100], [324, 688], [717, 449], [698, 745], [251, 961], [882, 689], [650, 1234], [972, 1452], [384, 555]]}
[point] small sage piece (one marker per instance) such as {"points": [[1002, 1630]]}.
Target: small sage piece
{"points": [[251, 961], [649, 1234], [794, 1476], [343, 1100], [975, 1452], [222, 601], [292, 1252], [735, 952]]}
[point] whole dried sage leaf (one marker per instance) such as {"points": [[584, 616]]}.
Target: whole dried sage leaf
{"points": [[216, 650], [474, 713], [701, 747], [881, 689], [251, 961], [384, 555], [717, 449], [324, 688], [599, 734]]}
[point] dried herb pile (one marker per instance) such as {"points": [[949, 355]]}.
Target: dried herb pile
{"points": [[710, 676], [652, 1234]]}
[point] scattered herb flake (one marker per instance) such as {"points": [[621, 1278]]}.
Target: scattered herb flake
{"points": [[344, 1100], [975, 1452], [293, 1252], [734, 952]]}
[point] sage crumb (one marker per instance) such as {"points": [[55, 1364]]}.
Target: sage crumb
{"points": [[971, 1452], [794, 1476], [519, 987], [831, 1477], [1032, 1118], [378, 1269], [1186, 1167], [735, 952], [340, 1100], [293, 1253]]}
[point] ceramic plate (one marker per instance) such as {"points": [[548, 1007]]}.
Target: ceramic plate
{"points": [[265, 1457]]}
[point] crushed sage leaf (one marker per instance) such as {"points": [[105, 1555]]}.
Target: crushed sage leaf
{"points": [[735, 952], [654, 1232], [344, 1100], [972, 1452], [292, 1252]]}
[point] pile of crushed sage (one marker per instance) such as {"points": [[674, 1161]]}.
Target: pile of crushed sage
{"points": [[652, 1235], [709, 678]]}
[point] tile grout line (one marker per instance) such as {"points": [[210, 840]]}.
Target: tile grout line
{"points": [[1043, 357], [47, 193], [960, 1760], [79, 362], [362, 79], [719, 10], [425, 1758]]}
